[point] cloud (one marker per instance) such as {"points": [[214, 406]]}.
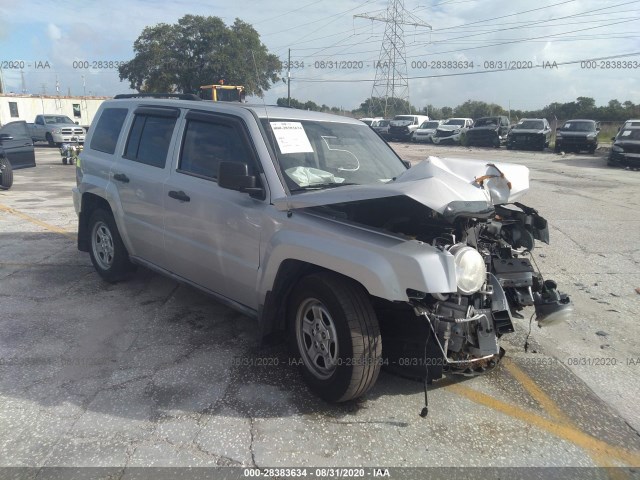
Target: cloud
{"points": [[54, 32]]}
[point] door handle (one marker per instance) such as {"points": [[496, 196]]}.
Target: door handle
{"points": [[183, 197], [121, 177]]}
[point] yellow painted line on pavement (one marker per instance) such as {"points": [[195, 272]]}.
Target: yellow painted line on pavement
{"points": [[560, 430], [35, 221], [554, 411], [536, 392]]}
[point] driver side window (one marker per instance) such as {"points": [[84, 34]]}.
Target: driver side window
{"points": [[206, 144]]}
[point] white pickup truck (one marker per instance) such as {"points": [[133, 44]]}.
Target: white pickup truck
{"points": [[56, 130]]}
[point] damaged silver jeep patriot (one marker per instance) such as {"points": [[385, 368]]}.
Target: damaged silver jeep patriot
{"points": [[311, 223]]}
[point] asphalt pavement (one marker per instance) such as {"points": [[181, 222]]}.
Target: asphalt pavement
{"points": [[151, 373]]}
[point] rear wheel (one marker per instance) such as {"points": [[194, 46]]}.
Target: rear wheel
{"points": [[6, 174], [107, 251], [335, 332]]}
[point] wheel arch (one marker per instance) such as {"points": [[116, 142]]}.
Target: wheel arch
{"points": [[90, 203]]}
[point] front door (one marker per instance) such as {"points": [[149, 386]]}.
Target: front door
{"points": [[17, 145], [212, 235]]}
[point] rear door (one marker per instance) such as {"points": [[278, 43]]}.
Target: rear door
{"points": [[16, 142], [139, 174], [212, 235]]}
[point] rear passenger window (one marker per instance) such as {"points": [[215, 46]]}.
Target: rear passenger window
{"points": [[149, 140], [206, 144], [107, 131]]}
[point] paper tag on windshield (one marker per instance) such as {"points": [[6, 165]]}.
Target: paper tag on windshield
{"points": [[291, 137], [626, 133]]}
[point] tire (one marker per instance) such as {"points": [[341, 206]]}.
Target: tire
{"points": [[542, 145], [106, 249], [49, 138], [334, 313], [64, 160], [6, 174]]}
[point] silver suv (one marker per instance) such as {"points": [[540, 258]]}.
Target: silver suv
{"points": [[313, 225]]}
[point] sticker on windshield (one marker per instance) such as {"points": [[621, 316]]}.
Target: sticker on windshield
{"points": [[626, 133], [291, 137]]}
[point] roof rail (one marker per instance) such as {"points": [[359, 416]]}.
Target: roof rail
{"points": [[179, 96]]}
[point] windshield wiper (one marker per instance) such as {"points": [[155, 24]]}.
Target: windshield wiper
{"points": [[320, 186]]}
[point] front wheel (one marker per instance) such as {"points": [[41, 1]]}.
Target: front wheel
{"points": [[335, 332], [49, 138], [6, 174], [107, 251]]}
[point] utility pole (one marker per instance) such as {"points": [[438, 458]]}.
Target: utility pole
{"points": [[289, 79], [22, 82], [391, 80]]}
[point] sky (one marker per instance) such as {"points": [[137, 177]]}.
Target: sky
{"points": [[549, 47]]}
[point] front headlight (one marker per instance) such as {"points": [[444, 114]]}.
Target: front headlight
{"points": [[471, 271], [56, 130], [617, 149], [591, 136], [456, 131]]}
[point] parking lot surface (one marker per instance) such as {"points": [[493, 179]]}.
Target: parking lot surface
{"points": [[150, 372]]}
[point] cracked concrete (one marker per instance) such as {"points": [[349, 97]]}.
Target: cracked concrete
{"points": [[151, 373]]}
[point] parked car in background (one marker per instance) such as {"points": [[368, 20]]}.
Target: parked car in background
{"points": [[576, 135], [625, 150], [488, 132], [370, 120], [56, 130], [452, 130], [381, 127], [16, 151], [426, 131], [631, 123], [534, 133], [403, 127]]}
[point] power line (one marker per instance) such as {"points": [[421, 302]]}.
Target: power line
{"points": [[478, 72]]}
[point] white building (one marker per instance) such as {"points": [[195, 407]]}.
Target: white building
{"points": [[25, 107]]}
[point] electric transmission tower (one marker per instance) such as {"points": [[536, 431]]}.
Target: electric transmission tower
{"points": [[391, 80]]}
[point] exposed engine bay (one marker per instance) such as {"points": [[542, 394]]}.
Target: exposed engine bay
{"points": [[491, 241]]}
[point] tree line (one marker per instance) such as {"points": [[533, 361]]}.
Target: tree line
{"points": [[582, 107]]}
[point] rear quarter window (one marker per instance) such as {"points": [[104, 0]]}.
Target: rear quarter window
{"points": [[107, 131]]}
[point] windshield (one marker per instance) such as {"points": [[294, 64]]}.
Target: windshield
{"points": [[629, 134], [486, 122], [454, 121], [531, 125], [429, 125], [314, 155], [57, 119], [579, 126]]}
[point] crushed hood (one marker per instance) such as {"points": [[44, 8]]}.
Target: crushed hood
{"points": [[434, 182]]}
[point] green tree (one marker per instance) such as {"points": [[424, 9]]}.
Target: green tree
{"points": [[197, 51], [309, 105], [374, 107]]}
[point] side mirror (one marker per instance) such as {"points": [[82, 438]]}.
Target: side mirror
{"points": [[235, 176], [613, 138], [77, 123], [407, 163]]}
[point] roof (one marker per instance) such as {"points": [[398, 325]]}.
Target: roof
{"points": [[260, 110]]}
